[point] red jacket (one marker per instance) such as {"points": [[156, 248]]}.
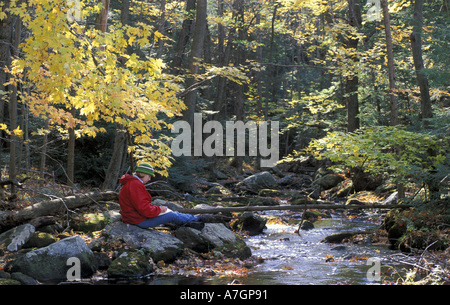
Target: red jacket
{"points": [[135, 201]]}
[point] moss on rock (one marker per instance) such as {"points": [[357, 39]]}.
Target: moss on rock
{"points": [[40, 239], [130, 264], [90, 223], [4, 282]]}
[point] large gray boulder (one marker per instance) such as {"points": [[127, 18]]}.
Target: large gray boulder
{"points": [[52, 263], [328, 181], [259, 181], [159, 245]]}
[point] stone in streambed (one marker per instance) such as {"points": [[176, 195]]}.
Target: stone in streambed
{"points": [[214, 236], [51, 262]]}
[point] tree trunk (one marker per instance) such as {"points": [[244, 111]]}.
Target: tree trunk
{"points": [[6, 26], [390, 57], [224, 58], [352, 82], [186, 30], [13, 114], [445, 6], [115, 165], [392, 94], [44, 152], [272, 69], [351, 89], [121, 138], [71, 157], [57, 206], [196, 53], [259, 74], [102, 19], [125, 12], [161, 29], [239, 61], [416, 46]]}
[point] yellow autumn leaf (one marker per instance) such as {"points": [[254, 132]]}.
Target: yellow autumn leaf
{"points": [[158, 36], [17, 132]]}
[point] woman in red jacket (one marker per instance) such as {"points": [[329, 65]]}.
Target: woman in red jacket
{"points": [[136, 205]]}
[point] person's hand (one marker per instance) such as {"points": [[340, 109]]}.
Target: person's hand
{"points": [[163, 209]]}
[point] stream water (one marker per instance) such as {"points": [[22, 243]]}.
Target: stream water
{"points": [[290, 258]]}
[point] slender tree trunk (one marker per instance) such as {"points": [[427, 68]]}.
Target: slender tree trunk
{"points": [[196, 53], [222, 61], [121, 138], [44, 152], [183, 38], [6, 26], [115, 165], [71, 155], [416, 46], [102, 18], [445, 6], [352, 82], [392, 94], [390, 57], [239, 60], [125, 12], [13, 114], [161, 28], [220, 104], [13, 138], [71, 158], [259, 74], [272, 70]]}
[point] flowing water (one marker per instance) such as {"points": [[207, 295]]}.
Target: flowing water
{"points": [[290, 258], [293, 259]]}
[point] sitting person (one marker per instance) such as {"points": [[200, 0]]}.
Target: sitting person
{"points": [[136, 205]]}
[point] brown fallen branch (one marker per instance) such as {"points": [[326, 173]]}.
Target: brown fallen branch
{"points": [[14, 182], [426, 266], [293, 208], [52, 207]]}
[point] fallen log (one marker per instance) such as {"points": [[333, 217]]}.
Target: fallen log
{"points": [[292, 208], [50, 207]]}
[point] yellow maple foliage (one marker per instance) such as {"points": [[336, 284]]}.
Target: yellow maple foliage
{"points": [[78, 75]]}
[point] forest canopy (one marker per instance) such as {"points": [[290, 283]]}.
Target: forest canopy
{"points": [[90, 87]]}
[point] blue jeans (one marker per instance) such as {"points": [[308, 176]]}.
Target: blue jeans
{"points": [[175, 218]]}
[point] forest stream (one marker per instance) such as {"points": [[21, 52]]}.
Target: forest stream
{"points": [[289, 258]]}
